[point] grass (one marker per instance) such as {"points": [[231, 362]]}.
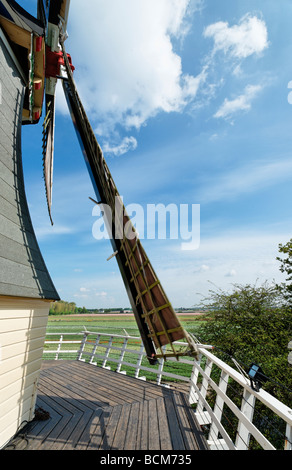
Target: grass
{"points": [[105, 324]]}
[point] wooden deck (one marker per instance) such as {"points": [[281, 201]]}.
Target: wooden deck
{"points": [[91, 408]]}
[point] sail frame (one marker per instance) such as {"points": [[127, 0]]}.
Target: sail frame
{"points": [[157, 321]]}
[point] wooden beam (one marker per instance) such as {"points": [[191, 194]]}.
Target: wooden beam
{"points": [[15, 33]]}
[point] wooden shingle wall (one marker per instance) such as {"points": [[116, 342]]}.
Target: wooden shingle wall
{"points": [[23, 272]]}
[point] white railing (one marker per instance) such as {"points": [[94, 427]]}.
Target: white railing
{"points": [[251, 405], [231, 412], [124, 354]]}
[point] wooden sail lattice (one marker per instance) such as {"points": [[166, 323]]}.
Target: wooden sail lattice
{"points": [[156, 319]]}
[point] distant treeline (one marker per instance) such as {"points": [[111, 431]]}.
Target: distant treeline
{"points": [[70, 308], [65, 308]]}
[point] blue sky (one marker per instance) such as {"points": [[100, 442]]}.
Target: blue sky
{"points": [[189, 102]]}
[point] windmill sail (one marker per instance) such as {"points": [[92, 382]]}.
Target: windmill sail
{"points": [[52, 14], [48, 149], [157, 322]]}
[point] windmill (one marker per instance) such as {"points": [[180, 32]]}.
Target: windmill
{"points": [[157, 321], [26, 287]]}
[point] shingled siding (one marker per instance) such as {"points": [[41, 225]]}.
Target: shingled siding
{"points": [[23, 272], [26, 288]]}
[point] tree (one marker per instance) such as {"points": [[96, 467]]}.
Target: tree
{"points": [[286, 267], [62, 307], [252, 324]]}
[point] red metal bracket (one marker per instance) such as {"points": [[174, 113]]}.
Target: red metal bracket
{"points": [[54, 60]]}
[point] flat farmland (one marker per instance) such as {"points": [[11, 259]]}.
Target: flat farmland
{"points": [[111, 323]]}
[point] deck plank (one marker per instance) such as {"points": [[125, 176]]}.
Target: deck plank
{"points": [[185, 427], [38, 436], [194, 433], [91, 408], [89, 430], [132, 429], [98, 432], [164, 434], [132, 387], [122, 426], [153, 438], [144, 427], [110, 431], [174, 424]]}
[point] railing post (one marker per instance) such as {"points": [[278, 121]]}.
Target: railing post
{"points": [[193, 396], [59, 348], [288, 440], [218, 408], [247, 408], [139, 362], [160, 367], [82, 346], [203, 416], [107, 352], [121, 358], [94, 349]]}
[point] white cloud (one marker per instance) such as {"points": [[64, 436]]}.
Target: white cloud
{"points": [[126, 68], [204, 268], [127, 144], [241, 103], [237, 72], [48, 230], [231, 273], [101, 294], [249, 37]]}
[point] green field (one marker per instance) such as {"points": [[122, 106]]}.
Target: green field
{"points": [[115, 324], [71, 326]]}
